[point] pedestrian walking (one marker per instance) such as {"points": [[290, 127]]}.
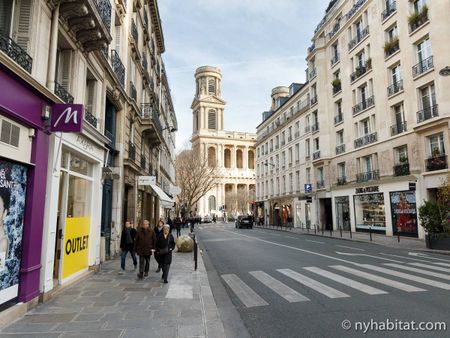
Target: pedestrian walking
{"points": [[164, 247], [127, 239], [178, 226], [145, 243], [158, 233]]}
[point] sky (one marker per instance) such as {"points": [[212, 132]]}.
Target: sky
{"points": [[258, 45]]}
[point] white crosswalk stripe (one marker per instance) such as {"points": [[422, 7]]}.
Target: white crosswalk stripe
{"points": [[347, 281], [382, 280], [407, 276], [313, 284], [421, 271], [246, 295], [283, 290], [442, 264], [431, 267]]}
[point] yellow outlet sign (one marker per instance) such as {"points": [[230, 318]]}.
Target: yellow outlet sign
{"points": [[76, 245]]}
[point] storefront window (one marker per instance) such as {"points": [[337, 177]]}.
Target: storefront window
{"points": [[342, 212], [80, 165], [370, 212], [79, 197]]}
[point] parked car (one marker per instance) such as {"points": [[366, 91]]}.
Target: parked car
{"points": [[244, 221], [206, 219]]}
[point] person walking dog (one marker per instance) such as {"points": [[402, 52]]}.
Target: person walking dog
{"points": [[127, 239], [164, 247], [145, 243]]}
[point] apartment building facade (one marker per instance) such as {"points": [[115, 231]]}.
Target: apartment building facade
{"points": [[107, 56], [371, 123]]}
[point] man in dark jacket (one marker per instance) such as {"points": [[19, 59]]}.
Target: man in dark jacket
{"points": [[145, 243], [164, 247], [158, 233], [127, 239]]}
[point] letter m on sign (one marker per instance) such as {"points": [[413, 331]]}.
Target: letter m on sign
{"points": [[67, 118]]}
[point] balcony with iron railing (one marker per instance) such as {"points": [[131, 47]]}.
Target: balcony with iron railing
{"points": [[316, 155], [335, 29], [438, 162], [307, 128], [133, 91], [337, 87], [391, 7], [418, 18], [134, 32], [312, 73], [315, 127], [62, 93], [339, 118], [427, 113], [423, 66], [395, 88], [340, 149], [143, 162], [90, 118], [118, 67], [398, 128], [131, 151], [361, 70], [363, 105], [401, 169], [391, 46], [313, 100], [112, 140], [150, 117], [15, 52], [360, 35], [368, 176], [89, 21], [365, 140], [342, 180], [320, 184]]}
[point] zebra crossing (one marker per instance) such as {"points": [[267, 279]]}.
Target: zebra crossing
{"points": [[390, 275]]}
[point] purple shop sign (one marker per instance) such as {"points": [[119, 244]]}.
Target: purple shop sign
{"points": [[67, 118]]}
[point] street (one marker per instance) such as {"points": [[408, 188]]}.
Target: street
{"points": [[295, 285]]}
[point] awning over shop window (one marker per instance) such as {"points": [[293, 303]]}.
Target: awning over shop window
{"points": [[165, 201]]}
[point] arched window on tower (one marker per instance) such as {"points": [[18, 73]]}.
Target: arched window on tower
{"points": [[251, 159], [212, 157], [227, 157], [212, 86], [212, 203], [212, 119], [239, 162]]}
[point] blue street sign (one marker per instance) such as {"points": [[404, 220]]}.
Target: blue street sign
{"points": [[308, 187]]}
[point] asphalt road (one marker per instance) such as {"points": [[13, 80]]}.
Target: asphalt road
{"points": [[296, 285]]}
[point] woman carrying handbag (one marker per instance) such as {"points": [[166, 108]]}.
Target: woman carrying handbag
{"points": [[164, 247]]}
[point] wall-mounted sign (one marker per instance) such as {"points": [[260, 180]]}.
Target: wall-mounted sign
{"points": [[308, 187], [146, 180], [367, 190], [67, 118]]}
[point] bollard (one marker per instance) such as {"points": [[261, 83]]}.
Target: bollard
{"points": [[322, 230], [370, 233], [398, 238], [195, 254], [331, 232], [351, 236], [340, 230]]}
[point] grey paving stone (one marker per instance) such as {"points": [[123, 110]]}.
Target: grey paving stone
{"points": [[94, 334], [138, 315], [134, 323], [191, 330], [50, 318], [74, 326], [29, 327], [166, 332], [29, 335], [88, 317], [90, 293]]}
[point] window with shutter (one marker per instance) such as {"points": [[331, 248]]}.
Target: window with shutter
{"points": [[6, 7], [117, 39], [212, 123], [211, 86], [10, 133], [23, 23], [63, 68], [90, 92]]}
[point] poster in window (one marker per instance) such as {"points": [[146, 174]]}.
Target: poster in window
{"points": [[404, 213], [13, 181]]}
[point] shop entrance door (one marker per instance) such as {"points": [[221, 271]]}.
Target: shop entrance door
{"points": [[107, 215], [61, 217], [326, 214], [343, 213]]}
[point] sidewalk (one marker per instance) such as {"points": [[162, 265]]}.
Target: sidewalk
{"points": [[390, 241], [112, 305]]}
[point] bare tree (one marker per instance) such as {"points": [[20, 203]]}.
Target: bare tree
{"points": [[195, 176]]}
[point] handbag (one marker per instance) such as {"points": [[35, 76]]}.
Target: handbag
{"points": [[163, 251]]}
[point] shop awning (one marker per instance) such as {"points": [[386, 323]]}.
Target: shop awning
{"points": [[165, 201]]}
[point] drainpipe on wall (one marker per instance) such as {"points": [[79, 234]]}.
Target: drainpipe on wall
{"points": [[53, 50]]}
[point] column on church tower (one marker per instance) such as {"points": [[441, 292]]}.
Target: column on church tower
{"points": [[233, 157], [245, 158], [201, 118], [218, 155]]}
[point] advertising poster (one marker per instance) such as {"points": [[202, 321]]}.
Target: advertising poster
{"points": [[404, 213], [13, 182], [76, 245]]}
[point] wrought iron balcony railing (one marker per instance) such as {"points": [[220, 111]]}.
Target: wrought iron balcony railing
{"points": [[427, 113], [338, 118], [398, 128], [401, 169], [361, 70], [143, 162], [340, 149], [104, 9], [365, 140], [436, 163], [312, 74], [110, 136], [316, 155], [360, 35], [118, 67], [391, 7], [337, 89], [307, 129], [15, 52], [417, 19], [422, 66], [395, 88], [134, 31], [342, 180], [320, 184], [335, 29], [144, 62], [368, 176], [90, 118], [315, 127], [314, 99], [335, 59], [390, 47], [131, 151], [133, 91], [363, 105], [62, 93]]}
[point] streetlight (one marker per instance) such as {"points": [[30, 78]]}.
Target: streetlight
{"points": [[445, 71]]}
